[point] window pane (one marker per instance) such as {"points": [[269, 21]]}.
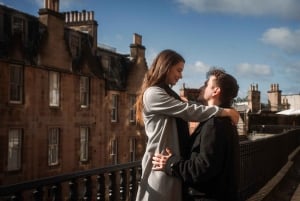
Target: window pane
{"points": [[132, 144], [18, 25], [114, 108], [84, 133], [54, 89], [132, 108], [14, 149], [16, 83], [114, 151], [53, 142], [84, 91]]}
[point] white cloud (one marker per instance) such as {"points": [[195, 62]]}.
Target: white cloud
{"points": [[280, 8], [194, 74], [253, 70], [294, 69], [292, 72], [119, 37], [39, 3], [283, 38], [69, 4], [200, 67]]}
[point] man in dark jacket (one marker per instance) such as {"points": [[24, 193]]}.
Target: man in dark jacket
{"points": [[211, 173]]}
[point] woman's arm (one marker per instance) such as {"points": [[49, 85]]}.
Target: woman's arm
{"points": [[157, 101]]}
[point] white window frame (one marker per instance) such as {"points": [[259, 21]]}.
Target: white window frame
{"points": [[16, 84], [132, 112], [84, 143], [53, 146], [54, 89], [114, 107], [14, 149], [114, 151], [84, 91]]}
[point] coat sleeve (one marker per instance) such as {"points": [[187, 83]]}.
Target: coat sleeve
{"points": [[208, 155], [157, 101]]}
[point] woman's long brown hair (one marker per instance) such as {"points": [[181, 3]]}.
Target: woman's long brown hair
{"points": [[157, 73]]}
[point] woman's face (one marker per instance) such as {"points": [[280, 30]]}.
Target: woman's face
{"points": [[174, 74]]}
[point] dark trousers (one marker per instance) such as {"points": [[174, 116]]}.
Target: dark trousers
{"points": [[203, 199], [196, 198]]}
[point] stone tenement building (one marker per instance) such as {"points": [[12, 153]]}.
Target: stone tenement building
{"points": [[66, 104]]}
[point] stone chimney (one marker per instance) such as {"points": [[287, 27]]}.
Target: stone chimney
{"points": [[182, 91], [54, 42], [274, 98], [254, 98], [83, 21], [137, 50], [50, 16], [137, 63], [52, 5], [285, 103]]}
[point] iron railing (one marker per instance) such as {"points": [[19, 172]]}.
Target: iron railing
{"points": [[260, 160]]}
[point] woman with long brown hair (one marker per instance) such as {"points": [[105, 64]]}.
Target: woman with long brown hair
{"points": [[164, 115]]}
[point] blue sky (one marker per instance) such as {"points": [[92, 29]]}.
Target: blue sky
{"points": [[257, 41]]}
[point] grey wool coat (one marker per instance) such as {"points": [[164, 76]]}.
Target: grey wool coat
{"points": [[160, 113]]}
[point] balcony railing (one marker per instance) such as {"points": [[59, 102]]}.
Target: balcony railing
{"points": [[117, 182], [260, 161]]}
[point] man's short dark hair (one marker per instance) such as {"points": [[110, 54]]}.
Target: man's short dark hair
{"points": [[228, 85]]}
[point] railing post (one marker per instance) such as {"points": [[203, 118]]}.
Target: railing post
{"points": [[38, 194], [122, 185], [87, 189], [132, 181], [55, 192], [73, 190], [17, 197], [112, 185], [139, 175], [100, 195]]}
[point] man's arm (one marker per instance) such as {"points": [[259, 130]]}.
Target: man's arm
{"points": [[207, 156]]}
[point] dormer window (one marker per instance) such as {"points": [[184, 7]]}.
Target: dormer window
{"points": [[75, 46], [18, 24], [106, 62], [18, 27], [1, 28]]}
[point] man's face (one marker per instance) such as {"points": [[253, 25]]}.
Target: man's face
{"points": [[208, 91]]}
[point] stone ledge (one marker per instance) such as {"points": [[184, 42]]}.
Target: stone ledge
{"points": [[269, 190]]}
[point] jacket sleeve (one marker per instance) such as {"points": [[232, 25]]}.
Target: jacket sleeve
{"points": [[157, 101], [208, 155]]}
